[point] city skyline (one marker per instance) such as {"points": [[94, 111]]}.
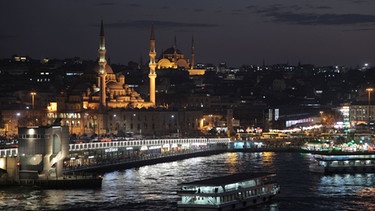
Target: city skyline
{"points": [[241, 32]]}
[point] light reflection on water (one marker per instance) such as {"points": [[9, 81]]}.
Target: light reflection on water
{"points": [[154, 187]]}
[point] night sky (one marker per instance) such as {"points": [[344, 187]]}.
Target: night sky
{"points": [[320, 32]]}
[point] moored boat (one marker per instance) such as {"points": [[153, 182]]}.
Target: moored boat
{"points": [[231, 192], [343, 163], [70, 183]]}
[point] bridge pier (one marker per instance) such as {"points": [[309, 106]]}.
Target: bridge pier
{"points": [[8, 170]]}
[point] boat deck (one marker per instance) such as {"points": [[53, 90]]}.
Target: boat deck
{"points": [[229, 179]]}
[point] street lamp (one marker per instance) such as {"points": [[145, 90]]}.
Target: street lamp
{"points": [[369, 90], [32, 98], [321, 116]]}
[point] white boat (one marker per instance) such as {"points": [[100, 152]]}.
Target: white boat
{"points": [[231, 192], [343, 163]]}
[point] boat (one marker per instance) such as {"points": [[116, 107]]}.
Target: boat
{"points": [[231, 192], [70, 183], [343, 147], [41, 181], [354, 162]]}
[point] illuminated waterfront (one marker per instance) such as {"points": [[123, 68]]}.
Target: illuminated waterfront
{"points": [[154, 187]]}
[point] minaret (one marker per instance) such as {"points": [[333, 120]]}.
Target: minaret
{"points": [[102, 65], [175, 44], [175, 53], [152, 66], [192, 53]]}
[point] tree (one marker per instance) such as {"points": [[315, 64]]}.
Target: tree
{"points": [[330, 117]]}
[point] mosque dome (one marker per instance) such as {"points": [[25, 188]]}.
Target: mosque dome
{"points": [[171, 50], [114, 85], [108, 69]]}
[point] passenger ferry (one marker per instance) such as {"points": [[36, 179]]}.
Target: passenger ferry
{"points": [[231, 192], [354, 162]]}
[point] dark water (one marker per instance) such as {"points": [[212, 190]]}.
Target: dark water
{"points": [[154, 187]]}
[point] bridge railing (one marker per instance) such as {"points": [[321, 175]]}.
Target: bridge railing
{"points": [[148, 142], [11, 152]]}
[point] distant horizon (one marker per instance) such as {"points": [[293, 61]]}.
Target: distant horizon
{"points": [[206, 63]]}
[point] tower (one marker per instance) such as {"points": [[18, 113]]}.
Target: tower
{"points": [[152, 66], [102, 67]]}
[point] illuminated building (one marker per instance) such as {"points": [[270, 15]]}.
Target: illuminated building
{"points": [[114, 92], [89, 108], [173, 58], [152, 66]]}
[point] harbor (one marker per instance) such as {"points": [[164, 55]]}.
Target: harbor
{"points": [[86, 162], [45, 160], [155, 187], [152, 169]]}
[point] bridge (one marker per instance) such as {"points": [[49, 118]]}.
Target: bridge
{"points": [[108, 156], [147, 143], [94, 156], [100, 157], [132, 144]]}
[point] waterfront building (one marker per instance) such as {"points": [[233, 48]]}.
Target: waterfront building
{"points": [[156, 122], [361, 114]]}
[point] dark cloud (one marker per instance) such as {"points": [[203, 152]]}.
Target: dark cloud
{"points": [[318, 7], [165, 7], [285, 8], [360, 1], [362, 29], [134, 5], [163, 24], [266, 10], [6, 36], [251, 7], [105, 4], [198, 10], [219, 11], [289, 14], [296, 7], [321, 19]]}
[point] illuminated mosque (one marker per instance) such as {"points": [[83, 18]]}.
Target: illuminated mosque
{"points": [[173, 58], [93, 107], [112, 89]]}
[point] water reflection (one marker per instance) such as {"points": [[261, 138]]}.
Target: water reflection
{"points": [[344, 184], [154, 187], [268, 158], [232, 163], [355, 189]]}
